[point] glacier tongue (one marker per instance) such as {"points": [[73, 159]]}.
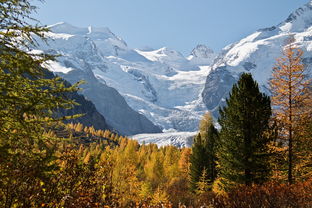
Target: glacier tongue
{"points": [[178, 139]]}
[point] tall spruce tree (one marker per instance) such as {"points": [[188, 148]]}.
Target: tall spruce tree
{"points": [[197, 162], [211, 140], [243, 155], [203, 155]]}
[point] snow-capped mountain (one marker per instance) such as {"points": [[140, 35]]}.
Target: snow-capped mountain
{"points": [[79, 55], [257, 54], [161, 84]]}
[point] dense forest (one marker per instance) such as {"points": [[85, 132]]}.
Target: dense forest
{"points": [[261, 156]]}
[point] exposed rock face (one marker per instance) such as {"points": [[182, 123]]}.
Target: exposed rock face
{"points": [[202, 51], [113, 106], [91, 116], [217, 88], [202, 55]]}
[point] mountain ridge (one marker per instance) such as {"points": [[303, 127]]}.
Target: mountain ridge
{"points": [[256, 54]]}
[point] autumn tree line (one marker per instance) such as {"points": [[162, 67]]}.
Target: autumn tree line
{"points": [[260, 154], [261, 139]]}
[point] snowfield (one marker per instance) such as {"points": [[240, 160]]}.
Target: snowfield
{"points": [[178, 139]]}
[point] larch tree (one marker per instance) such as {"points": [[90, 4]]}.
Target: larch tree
{"points": [[184, 162], [243, 153], [27, 103], [203, 183], [290, 97], [171, 167]]}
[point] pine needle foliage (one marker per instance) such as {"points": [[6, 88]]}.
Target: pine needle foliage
{"points": [[203, 157], [243, 154]]}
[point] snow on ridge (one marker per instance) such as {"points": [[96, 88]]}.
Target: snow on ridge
{"points": [[63, 27], [56, 24], [153, 55], [54, 66], [161, 54], [58, 35], [198, 76], [89, 29]]}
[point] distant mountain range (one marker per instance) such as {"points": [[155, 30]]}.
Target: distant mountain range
{"points": [[149, 91], [161, 86]]}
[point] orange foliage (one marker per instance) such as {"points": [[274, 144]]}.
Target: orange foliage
{"points": [[269, 195], [290, 93]]}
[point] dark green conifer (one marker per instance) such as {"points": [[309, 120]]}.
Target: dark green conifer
{"points": [[197, 161], [203, 155], [243, 154], [211, 151]]}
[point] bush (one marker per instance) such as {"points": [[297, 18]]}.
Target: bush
{"points": [[265, 196]]}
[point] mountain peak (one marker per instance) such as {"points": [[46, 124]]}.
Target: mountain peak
{"points": [[64, 27], [164, 51], [299, 20], [202, 51], [300, 11], [104, 38]]}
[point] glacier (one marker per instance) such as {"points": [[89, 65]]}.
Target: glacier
{"points": [[161, 84]]}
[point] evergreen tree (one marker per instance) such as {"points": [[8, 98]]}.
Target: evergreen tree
{"points": [[197, 161], [203, 155], [291, 99], [243, 155]]}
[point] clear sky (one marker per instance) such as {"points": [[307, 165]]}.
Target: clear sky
{"points": [[177, 24]]}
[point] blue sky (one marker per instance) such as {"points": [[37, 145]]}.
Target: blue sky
{"points": [[177, 24]]}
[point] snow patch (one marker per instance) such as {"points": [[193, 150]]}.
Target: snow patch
{"points": [[54, 66], [58, 35], [89, 30]]}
